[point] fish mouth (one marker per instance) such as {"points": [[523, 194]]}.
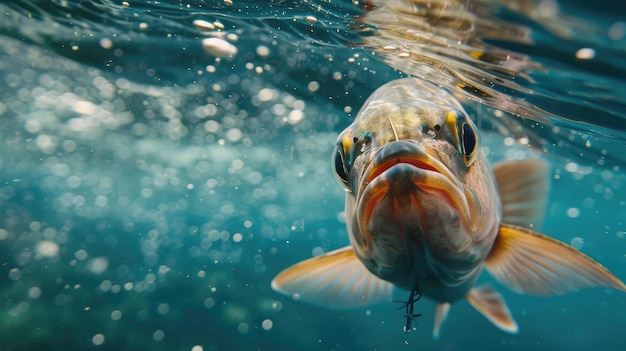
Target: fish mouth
{"points": [[400, 167], [408, 153]]}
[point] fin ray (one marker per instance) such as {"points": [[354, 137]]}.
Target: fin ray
{"points": [[441, 313], [491, 304], [534, 264], [336, 279], [524, 187]]}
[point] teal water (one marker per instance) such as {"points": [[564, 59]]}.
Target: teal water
{"points": [[149, 191]]}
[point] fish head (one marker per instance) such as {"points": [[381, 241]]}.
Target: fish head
{"points": [[420, 196]]}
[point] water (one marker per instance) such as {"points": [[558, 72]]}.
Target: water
{"points": [[149, 191]]}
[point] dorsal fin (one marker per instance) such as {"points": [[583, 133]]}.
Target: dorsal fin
{"points": [[336, 280], [524, 186]]}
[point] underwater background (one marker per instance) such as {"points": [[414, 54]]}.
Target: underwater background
{"points": [[153, 182]]}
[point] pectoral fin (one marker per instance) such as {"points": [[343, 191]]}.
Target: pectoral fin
{"points": [[491, 304], [523, 187], [336, 280], [531, 263]]}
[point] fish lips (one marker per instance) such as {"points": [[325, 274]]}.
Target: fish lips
{"points": [[407, 155], [398, 172]]}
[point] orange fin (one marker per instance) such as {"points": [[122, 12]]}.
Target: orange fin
{"points": [[491, 304], [336, 280], [534, 264], [441, 312], [524, 187]]}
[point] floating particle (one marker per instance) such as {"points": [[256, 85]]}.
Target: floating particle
{"points": [[295, 117], [15, 274], [106, 43], [311, 19], [267, 94], [219, 47], [197, 348], [3, 234], [158, 335], [573, 212], [218, 24], [228, 2], [84, 107], [317, 251], [203, 25], [577, 243], [33, 126], [262, 51], [209, 302], [143, 25], [47, 248], [571, 167], [389, 47], [45, 143], [585, 54], [116, 315], [313, 86], [277, 306], [234, 134], [617, 31], [80, 254], [125, 3], [404, 54], [34, 292], [243, 328], [34, 226], [237, 237], [163, 269], [146, 193], [97, 339], [163, 308], [98, 265], [267, 324], [105, 285]]}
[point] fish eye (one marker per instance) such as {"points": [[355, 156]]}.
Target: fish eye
{"points": [[465, 135], [340, 169], [468, 138], [468, 142]]}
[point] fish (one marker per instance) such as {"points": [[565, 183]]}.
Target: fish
{"points": [[426, 212]]}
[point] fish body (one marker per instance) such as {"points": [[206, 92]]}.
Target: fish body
{"points": [[426, 212], [416, 213]]}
